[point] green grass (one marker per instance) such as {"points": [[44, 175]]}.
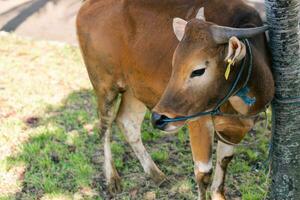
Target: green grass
{"points": [[49, 147]]}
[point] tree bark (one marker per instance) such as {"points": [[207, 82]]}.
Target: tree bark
{"points": [[283, 17]]}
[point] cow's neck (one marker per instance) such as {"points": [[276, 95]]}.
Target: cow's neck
{"points": [[261, 81], [259, 86]]}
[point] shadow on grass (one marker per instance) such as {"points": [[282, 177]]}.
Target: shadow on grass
{"points": [[64, 156], [60, 154]]}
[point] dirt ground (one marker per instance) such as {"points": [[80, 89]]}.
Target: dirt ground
{"points": [[40, 19], [50, 19]]}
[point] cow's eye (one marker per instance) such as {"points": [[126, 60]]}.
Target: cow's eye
{"points": [[198, 72]]}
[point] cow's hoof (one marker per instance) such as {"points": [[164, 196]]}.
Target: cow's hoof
{"points": [[114, 185], [157, 176]]}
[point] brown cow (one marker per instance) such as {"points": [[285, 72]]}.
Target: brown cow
{"points": [[128, 48]]}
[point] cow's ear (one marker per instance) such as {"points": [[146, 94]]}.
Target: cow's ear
{"points": [[179, 27], [236, 50]]}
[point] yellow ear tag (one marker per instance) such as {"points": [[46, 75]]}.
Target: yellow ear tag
{"points": [[229, 64]]}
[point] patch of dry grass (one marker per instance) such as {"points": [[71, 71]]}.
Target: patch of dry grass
{"points": [[33, 75]]}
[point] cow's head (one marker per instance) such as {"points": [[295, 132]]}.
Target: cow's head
{"points": [[197, 81]]}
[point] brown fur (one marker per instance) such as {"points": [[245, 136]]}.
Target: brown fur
{"points": [[128, 46]]}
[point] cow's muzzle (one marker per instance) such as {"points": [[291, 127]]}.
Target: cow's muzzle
{"points": [[158, 121]]}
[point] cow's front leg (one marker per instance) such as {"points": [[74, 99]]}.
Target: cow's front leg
{"points": [[224, 156], [201, 138], [233, 131], [130, 117]]}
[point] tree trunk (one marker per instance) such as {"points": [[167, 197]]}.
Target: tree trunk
{"points": [[283, 18]]}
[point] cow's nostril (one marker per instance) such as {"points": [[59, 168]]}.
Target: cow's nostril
{"points": [[158, 121], [161, 121]]}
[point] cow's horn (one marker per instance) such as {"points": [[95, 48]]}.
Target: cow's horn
{"points": [[222, 34], [200, 14]]}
